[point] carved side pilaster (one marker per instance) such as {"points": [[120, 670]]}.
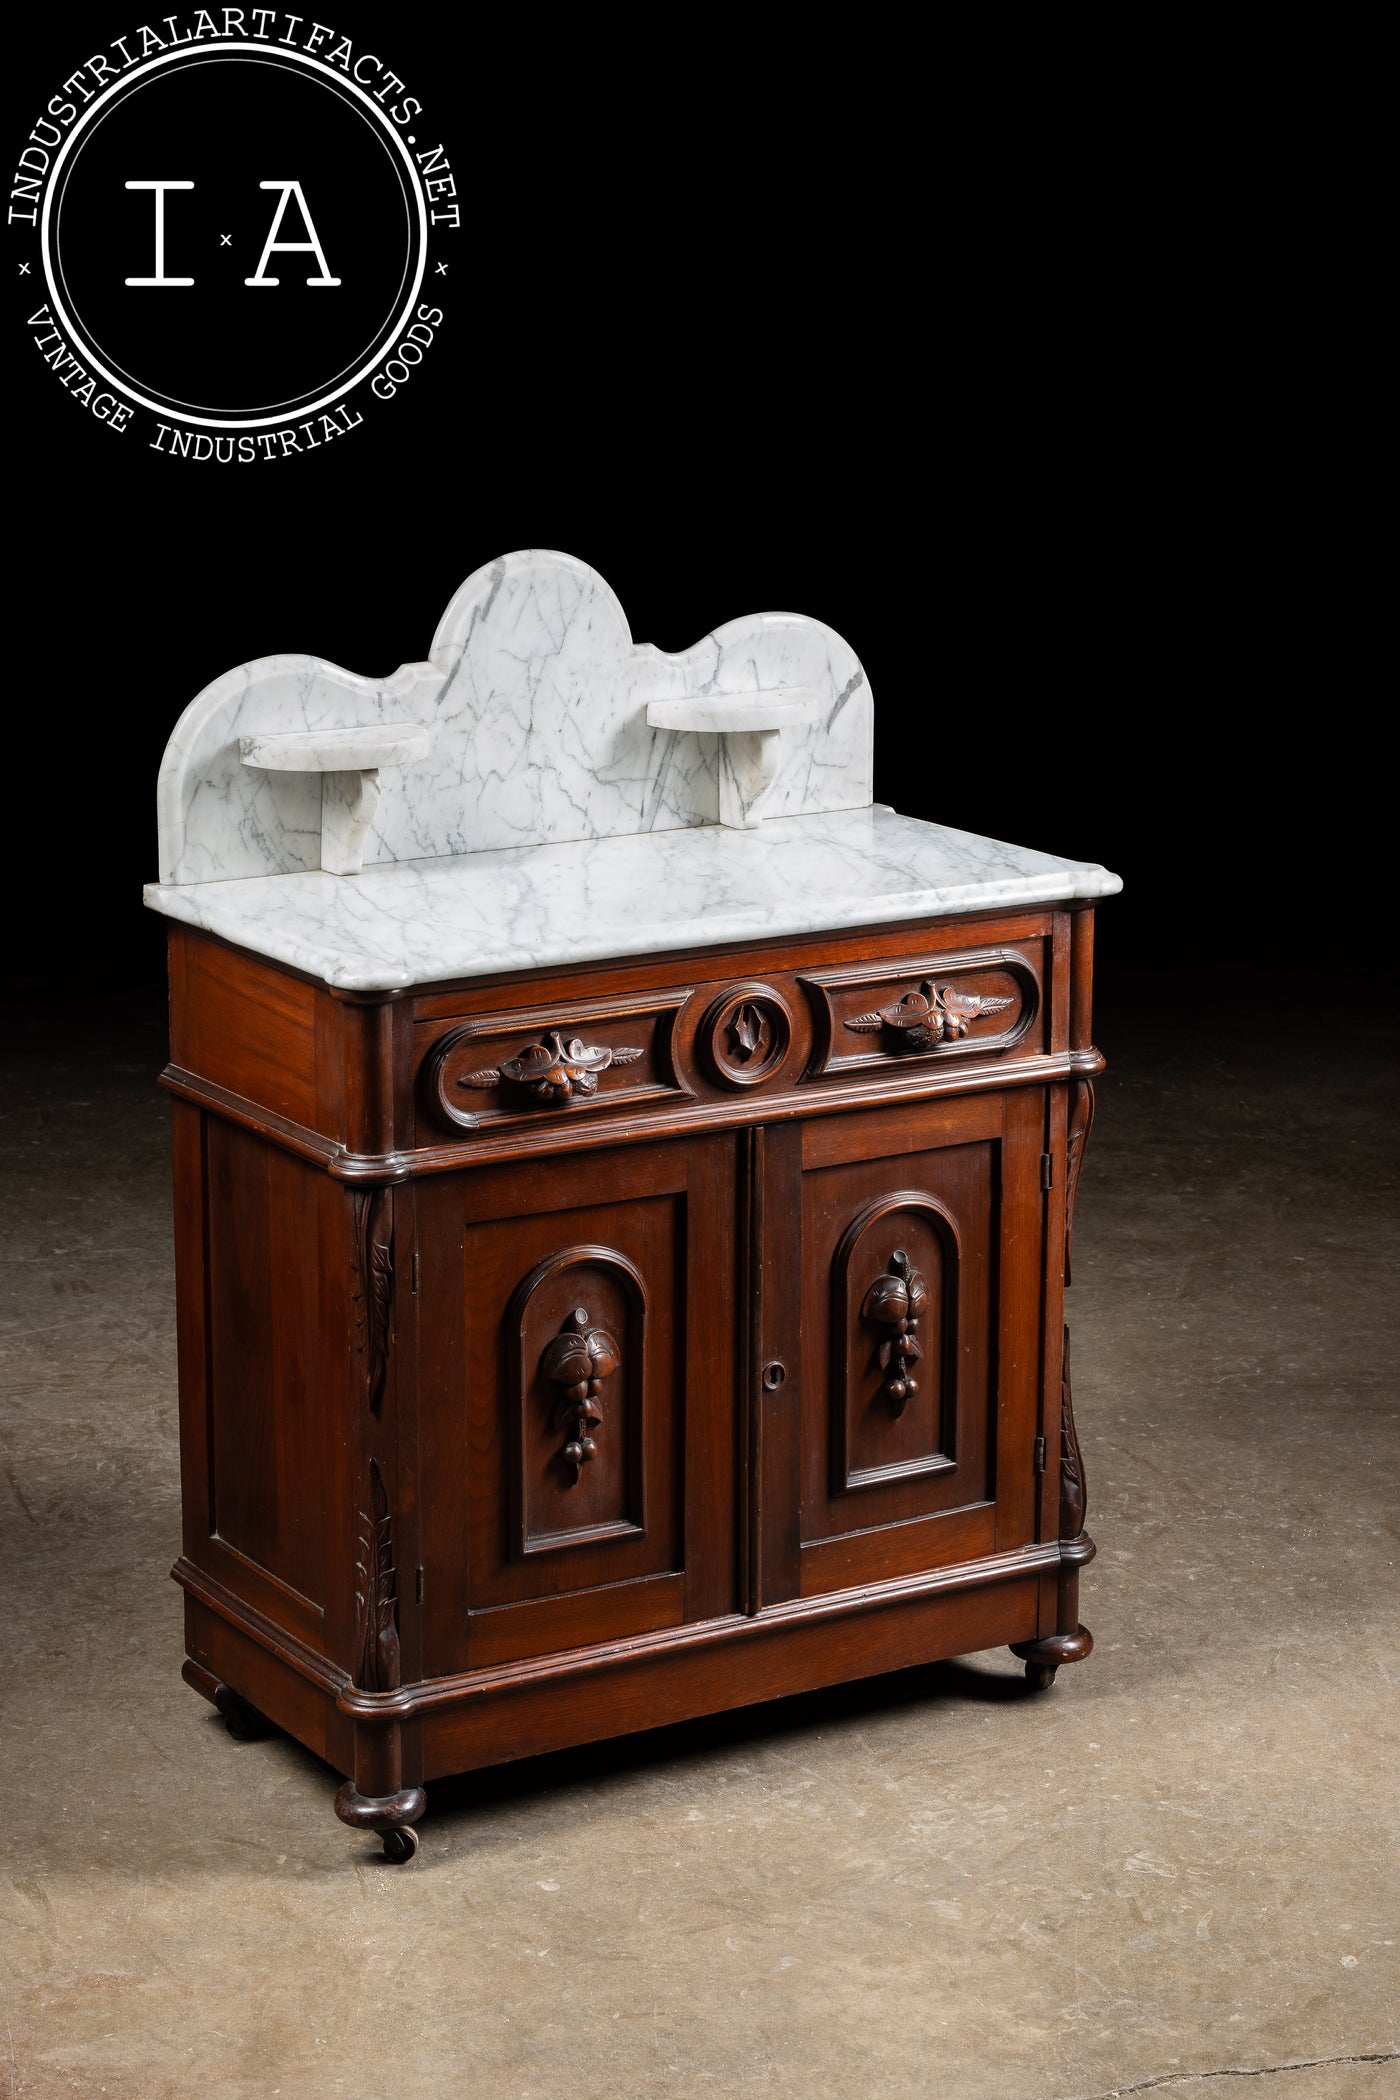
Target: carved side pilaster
{"points": [[1081, 1122], [1073, 1490], [376, 1593], [372, 1260]]}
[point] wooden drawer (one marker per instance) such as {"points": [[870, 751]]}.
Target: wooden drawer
{"points": [[974, 1002], [786, 1024], [503, 1068]]}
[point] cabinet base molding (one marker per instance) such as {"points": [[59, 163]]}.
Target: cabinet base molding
{"points": [[553, 1702]]}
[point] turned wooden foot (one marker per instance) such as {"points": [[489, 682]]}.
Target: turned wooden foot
{"points": [[1042, 1658], [392, 1815]]}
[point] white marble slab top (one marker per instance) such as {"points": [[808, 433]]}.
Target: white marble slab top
{"points": [[532, 907]]}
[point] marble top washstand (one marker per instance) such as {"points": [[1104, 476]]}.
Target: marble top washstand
{"points": [[544, 790]]}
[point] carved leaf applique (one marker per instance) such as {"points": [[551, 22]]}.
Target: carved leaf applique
{"points": [[376, 1597], [486, 1075], [372, 1254], [1081, 1122], [1073, 1492], [747, 1030]]}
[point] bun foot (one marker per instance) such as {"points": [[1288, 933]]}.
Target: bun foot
{"points": [[243, 1722], [1042, 1658], [392, 1815]]}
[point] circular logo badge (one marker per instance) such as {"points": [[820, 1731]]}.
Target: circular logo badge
{"points": [[235, 236]]}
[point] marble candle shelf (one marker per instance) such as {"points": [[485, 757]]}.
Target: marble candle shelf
{"points": [[749, 726], [348, 761]]}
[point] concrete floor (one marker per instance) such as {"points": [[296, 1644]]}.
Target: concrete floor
{"points": [[1176, 1866]]}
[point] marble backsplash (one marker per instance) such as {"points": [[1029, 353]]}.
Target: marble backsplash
{"points": [[535, 701]]}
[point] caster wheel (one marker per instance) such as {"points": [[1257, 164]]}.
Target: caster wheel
{"points": [[1040, 1676], [243, 1722], [401, 1845]]}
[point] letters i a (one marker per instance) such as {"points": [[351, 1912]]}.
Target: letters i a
{"points": [[271, 246]]}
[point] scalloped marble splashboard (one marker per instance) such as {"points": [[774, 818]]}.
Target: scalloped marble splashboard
{"points": [[535, 698]]}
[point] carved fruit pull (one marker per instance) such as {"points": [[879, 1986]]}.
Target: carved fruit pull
{"points": [[553, 1070], [933, 1014], [580, 1359], [896, 1301]]}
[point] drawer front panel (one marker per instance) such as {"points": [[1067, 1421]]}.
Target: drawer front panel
{"points": [[767, 1028], [977, 1003], [500, 1069]]}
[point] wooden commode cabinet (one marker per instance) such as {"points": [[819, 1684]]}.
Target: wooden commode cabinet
{"points": [[623, 1184], [567, 1353]]}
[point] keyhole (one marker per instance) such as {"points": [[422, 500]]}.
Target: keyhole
{"points": [[773, 1376]]}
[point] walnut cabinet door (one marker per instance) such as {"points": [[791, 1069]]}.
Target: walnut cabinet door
{"points": [[577, 1472], [898, 1347]]}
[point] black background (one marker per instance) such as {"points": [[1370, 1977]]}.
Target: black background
{"points": [[1018, 364]]}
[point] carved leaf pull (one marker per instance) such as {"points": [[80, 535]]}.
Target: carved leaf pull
{"points": [[553, 1070], [376, 1594], [580, 1359], [897, 1301], [933, 1014]]}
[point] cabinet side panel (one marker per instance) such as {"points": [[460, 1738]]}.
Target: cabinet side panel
{"points": [[262, 1366], [244, 1025], [191, 1275]]}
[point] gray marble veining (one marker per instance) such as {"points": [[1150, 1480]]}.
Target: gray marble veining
{"points": [[535, 700]]}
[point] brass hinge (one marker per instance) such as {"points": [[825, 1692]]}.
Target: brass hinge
{"points": [[1047, 1170], [414, 1274], [1039, 1458]]}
